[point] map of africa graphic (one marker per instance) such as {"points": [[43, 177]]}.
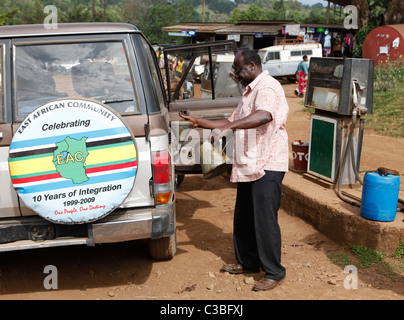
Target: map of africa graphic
{"points": [[69, 158]]}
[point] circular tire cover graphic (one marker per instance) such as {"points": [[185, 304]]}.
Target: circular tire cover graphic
{"points": [[73, 161]]}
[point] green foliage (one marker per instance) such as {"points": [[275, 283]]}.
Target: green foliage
{"points": [[399, 253], [163, 15], [340, 259], [367, 257], [388, 112], [253, 13], [388, 74], [360, 36], [4, 18], [388, 99], [279, 10], [391, 267]]}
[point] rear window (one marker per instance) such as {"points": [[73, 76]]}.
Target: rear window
{"points": [[201, 72], [301, 53], [97, 70], [296, 53]]}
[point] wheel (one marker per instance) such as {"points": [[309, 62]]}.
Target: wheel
{"points": [[178, 180], [163, 248]]}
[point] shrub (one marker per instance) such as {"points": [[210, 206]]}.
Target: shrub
{"points": [[387, 74]]}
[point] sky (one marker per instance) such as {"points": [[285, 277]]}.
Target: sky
{"points": [[311, 2]]}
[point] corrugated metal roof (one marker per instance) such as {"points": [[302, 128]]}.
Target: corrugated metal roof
{"points": [[227, 28], [319, 25], [198, 27], [266, 30]]}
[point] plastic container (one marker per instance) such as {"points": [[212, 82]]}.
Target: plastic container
{"points": [[300, 151], [214, 162], [380, 196]]}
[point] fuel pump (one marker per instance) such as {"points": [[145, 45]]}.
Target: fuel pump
{"points": [[341, 91]]}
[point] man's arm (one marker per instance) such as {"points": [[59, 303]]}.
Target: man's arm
{"points": [[205, 123], [255, 119]]}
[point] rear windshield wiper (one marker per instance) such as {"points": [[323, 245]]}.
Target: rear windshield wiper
{"points": [[116, 101]]}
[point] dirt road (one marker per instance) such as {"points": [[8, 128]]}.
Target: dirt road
{"points": [[204, 234]]}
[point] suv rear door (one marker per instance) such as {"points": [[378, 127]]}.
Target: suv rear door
{"points": [[193, 92], [64, 63]]}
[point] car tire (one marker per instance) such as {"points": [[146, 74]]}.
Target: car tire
{"points": [[178, 180], [163, 248]]}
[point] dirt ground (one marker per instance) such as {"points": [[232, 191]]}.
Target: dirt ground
{"points": [[204, 234]]}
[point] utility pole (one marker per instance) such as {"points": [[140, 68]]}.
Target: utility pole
{"points": [[203, 10], [94, 16]]}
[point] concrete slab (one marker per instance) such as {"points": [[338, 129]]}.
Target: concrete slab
{"points": [[340, 221], [320, 205]]}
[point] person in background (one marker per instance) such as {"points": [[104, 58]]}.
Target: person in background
{"points": [[327, 44], [258, 168], [179, 69], [301, 74]]}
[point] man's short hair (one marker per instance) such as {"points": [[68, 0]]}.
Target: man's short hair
{"points": [[251, 56]]}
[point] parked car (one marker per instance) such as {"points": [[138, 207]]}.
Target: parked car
{"points": [[85, 130], [282, 60]]}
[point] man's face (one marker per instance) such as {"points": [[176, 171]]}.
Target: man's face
{"points": [[242, 71]]}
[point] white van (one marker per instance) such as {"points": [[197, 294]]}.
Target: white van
{"points": [[282, 60]]}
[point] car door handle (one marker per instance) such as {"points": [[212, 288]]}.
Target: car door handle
{"points": [[217, 117], [184, 112]]}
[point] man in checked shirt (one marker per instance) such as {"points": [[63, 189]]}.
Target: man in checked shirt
{"points": [[260, 161]]}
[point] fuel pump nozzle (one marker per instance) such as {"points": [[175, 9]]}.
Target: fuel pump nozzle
{"points": [[356, 110], [356, 87]]}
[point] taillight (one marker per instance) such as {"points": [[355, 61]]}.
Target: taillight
{"points": [[162, 176]]}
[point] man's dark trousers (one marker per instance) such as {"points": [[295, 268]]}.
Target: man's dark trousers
{"points": [[257, 236]]}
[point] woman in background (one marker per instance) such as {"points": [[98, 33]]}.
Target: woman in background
{"points": [[302, 72]]}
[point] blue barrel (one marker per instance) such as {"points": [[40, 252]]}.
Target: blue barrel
{"points": [[380, 196]]}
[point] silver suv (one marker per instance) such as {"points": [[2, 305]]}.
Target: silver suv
{"points": [[86, 151]]}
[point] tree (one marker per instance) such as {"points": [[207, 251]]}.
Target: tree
{"points": [[4, 18], [252, 13], [164, 15], [31, 12], [395, 12], [280, 8], [220, 6], [363, 11]]}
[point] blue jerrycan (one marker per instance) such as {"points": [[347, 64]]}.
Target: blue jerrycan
{"points": [[380, 195]]}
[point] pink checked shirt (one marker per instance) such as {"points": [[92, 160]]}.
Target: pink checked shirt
{"points": [[264, 147]]}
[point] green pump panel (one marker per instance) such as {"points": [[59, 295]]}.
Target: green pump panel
{"points": [[322, 147]]}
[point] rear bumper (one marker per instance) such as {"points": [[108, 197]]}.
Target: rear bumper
{"points": [[121, 225]]}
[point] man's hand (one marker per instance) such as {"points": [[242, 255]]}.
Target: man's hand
{"points": [[192, 119]]}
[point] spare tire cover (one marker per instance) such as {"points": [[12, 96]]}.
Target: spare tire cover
{"points": [[73, 160]]}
